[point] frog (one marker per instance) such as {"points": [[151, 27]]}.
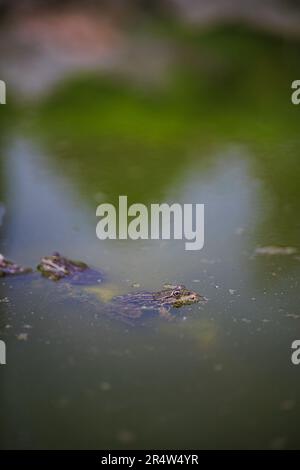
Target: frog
{"points": [[9, 268], [132, 305], [57, 267], [136, 304]]}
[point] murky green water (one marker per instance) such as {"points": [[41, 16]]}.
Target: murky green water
{"points": [[222, 132]]}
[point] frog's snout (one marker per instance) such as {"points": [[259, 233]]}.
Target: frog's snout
{"points": [[198, 298]]}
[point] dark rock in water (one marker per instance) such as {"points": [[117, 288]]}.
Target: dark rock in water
{"points": [[8, 268], [57, 267]]}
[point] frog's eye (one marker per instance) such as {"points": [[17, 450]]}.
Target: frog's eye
{"points": [[176, 293]]}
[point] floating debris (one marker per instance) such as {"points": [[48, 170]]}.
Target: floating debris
{"points": [[208, 261], [287, 405], [22, 337], [125, 436], [275, 250], [278, 443], [105, 292], [105, 386]]}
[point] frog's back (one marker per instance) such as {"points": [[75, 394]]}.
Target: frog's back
{"points": [[135, 304]]}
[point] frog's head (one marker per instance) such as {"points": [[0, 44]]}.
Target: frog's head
{"points": [[178, 296], [56, 267]]}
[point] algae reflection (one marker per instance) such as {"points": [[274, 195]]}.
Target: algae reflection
{"points": [[112, 137]]}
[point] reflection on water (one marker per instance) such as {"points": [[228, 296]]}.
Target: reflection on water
{"points": [[220, 375]]}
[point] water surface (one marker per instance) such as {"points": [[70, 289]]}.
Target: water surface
{"points": [[220, 375]]}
